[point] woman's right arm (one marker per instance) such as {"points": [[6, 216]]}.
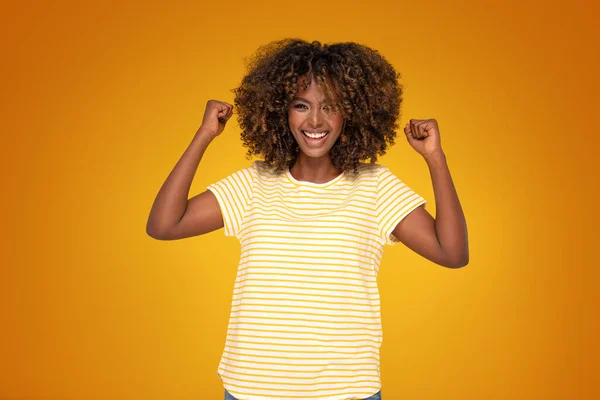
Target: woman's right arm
{"points": [[173, 216]]}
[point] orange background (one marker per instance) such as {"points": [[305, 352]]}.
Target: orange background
{"points": [[101, 100]]}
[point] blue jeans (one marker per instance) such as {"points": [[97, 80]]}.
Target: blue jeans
{"points": [[376, 396]]}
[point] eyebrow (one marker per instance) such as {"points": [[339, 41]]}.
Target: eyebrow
{"points": [[301, 99]]}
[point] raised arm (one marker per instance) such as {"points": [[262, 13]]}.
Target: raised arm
{"points": [[173, 216], [442, 240]]}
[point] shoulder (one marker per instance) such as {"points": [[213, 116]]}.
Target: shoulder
{"points": [[263, 170], [376, 175], [370, 171], [365, 177]]}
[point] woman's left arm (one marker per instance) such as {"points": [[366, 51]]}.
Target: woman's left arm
{"points": [[442, 240]]}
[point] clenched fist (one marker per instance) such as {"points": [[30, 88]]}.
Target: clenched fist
{"points": [[216, 115], [424, 136]]}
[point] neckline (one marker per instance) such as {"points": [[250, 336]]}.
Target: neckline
{"points": [[313, 184]]}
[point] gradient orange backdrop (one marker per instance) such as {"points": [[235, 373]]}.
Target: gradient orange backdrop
{"points": [[101, 99]]}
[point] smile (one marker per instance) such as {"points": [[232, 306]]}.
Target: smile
{"points": [[315, 135]]}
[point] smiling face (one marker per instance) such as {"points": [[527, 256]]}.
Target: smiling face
{"points": [[314, 123]]}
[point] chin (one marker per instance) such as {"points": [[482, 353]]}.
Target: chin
{"points": [[312, 153]]}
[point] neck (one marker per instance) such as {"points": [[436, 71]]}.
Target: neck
{"points": [[315, 170]]}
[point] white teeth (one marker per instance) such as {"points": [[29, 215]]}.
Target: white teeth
{"points": [[316, 135]]}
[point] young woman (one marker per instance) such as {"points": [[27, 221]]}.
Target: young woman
{"points": [[312, 218]]}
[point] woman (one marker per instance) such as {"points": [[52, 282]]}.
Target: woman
{"points": [[312, 218]]}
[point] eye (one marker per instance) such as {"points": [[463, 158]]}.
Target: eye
{"points": [[300, 106]]}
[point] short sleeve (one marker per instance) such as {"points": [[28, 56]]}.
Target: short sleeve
{"points": [[395, 200], [234, 194]]}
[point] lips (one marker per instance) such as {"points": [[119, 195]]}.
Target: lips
{"points": [[315, 135]]}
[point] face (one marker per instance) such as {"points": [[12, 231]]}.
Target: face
{"points": [[313, 122]]}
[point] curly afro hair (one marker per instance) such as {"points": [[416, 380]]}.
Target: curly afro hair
{"points": [[357, 80]]}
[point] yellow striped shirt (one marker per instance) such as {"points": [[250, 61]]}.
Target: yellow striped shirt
{"points": [[305, 319]]}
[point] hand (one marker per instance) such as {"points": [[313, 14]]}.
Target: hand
{"points": [[424, 136], [216, 115]]}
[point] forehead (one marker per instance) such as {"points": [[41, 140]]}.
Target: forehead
{"points": [[313, 90]]}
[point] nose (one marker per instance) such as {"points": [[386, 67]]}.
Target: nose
{"points": [[315, 118]]}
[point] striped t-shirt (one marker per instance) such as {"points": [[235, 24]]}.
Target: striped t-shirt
{"points": [[305, 319]]}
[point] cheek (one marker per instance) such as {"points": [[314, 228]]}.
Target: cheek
{"points": [[337, 121], [293, 120]]}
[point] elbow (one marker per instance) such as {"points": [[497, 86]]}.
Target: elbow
{"points": [[456, 262], [459, 264], [158, 234], [153, 235], [456, 257]]}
